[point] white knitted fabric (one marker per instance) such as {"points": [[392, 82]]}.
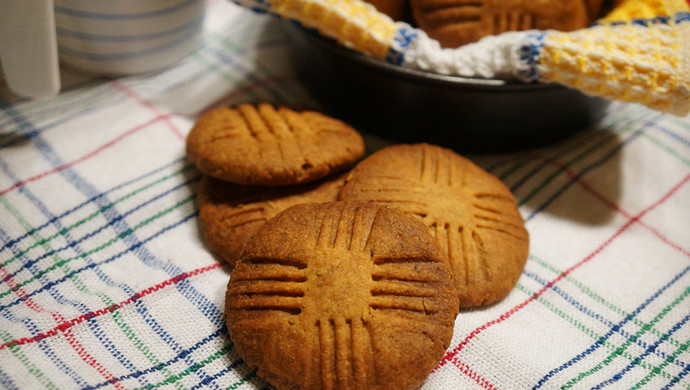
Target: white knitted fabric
{"points": [[497, 56]]}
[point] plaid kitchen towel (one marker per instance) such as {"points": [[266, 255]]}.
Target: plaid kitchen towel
{"points": [[105, 281]]}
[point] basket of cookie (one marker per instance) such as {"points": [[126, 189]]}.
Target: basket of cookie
{"points": [[486, 76], [348, 270]]}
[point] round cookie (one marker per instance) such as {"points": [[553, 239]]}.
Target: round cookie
{"points": [[472, 214], [229, 213], [347, 295], [455, 23], [398, 10], [262, 145], [596, 8]]}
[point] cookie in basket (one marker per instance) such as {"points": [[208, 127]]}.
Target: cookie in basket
{"points": [[398, 10], [458, 22], [346, 295], [230, 213], [472, 214], [264, 145]]}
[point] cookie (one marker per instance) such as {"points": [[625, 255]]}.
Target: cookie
{"points": [[229, 213], [346, 295], [398, 10], [472, 214], [455, 23], [596, 8], [264, 145]]}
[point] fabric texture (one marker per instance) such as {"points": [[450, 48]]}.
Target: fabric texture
{"points": [[598, 61], [105, 281], [646, 42]]}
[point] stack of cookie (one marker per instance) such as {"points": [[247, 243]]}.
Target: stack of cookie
{"points": [[347, 279], [258, 160]]}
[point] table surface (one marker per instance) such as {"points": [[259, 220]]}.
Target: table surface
{"points": [[107, 283]]}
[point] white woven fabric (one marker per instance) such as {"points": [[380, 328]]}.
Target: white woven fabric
{"points": [[492, 57], [106, 283]]}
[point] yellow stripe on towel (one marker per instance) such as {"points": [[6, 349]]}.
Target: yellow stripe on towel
{"points": [[645, 9], [627, 62], [354, 24]]}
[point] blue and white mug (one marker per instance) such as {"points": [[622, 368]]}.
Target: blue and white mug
{"points": [[111, 37]]}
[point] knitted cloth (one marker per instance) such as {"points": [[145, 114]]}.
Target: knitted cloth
{"points": [[637, 53]]}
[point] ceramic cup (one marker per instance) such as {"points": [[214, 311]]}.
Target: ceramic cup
{"points": [[112, 37]]}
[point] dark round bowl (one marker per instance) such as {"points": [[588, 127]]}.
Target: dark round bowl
{"points": [[407, 105]]}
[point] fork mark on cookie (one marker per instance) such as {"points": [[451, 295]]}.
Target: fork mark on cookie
{"points": [[263, 261], [502, 226], [480, 253], [287, 304], [327, 354], [412, 306], [362, 354], [400, 289], [267, 288], [400, 260]]}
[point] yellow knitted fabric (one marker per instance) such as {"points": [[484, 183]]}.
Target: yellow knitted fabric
{"points": [[354, 24], [633, 63], [644, 9]]}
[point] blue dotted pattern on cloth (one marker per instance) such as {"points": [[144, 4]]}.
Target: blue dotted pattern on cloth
{"points": [[529, 55], [401, 41]]}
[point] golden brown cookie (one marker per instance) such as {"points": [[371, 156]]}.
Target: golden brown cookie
{"points": [[262, 145], [229, 213], [398, 10], [472, 214], [457, 22], [595, 9], [341, 295]]}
